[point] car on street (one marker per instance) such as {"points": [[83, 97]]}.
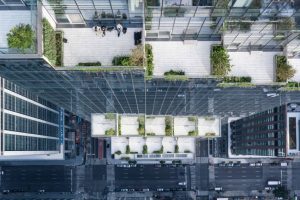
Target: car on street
{"points": [[252, 164], [237, 164], [160, 189], [222, 164], [218, 188], [230, 164], [182, 183], [272, 94], [124, 190], [258, 164]]}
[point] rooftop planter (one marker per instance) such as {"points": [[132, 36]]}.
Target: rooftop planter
{"points": [[236, 81], [141, 129], [149, 60], [104, 125], [284, 71], [185, 126], [21, 37], [174, 75], [169, 125], [220, 61], [155, 125], [135, 59], [174, 11], [52, 44]]}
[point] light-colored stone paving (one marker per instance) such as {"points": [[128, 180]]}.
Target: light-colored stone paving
{"points": [[84, 45], [259, 65], [192, 57], [295, 63]]}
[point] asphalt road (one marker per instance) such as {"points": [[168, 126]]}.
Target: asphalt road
{"points": [[149, 177], [202, 176], [129, 92], [246, 178], [91, 178], [239, 178], [34, 178]]}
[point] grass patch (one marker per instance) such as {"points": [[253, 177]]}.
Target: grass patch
{"points": [[141, 129], [176, 78], [241, 85], [169, 126]]}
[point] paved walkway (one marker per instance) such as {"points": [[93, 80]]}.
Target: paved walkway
{"points": [[258, 65], [192, 57], [295, 63], [85, 46]]}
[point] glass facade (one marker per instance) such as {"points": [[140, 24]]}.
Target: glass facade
{"points": [[261, 134], [30, 123]]}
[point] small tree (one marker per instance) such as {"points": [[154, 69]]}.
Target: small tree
{"points": [[20, 37], [176, 148], [145, 149], [137, 56], [127, 149], [284, 71], [220, 61]]}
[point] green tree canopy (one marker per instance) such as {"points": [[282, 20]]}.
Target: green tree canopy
{"points": [[20, 37], [284, 70], [220, 61]]}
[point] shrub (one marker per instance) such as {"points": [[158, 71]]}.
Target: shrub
{"points": [[145, 149], [110, 116], [137, 56], [110, 132], [149, 60], [87, 64], [210, 134], [59, 48], [174, 72], [236, 79], [176, 78], [159, 151], [176, 148], [20, 37], [169, 126], [192, 118], [220, 61], [127, 149], [141, 128], [118, 152], [150, 134], [193, 133], [284, 71], [52, 44], [119, 125], [121, 61]]}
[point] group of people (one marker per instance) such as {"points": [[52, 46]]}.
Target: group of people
{"points": [[103, 29]]}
